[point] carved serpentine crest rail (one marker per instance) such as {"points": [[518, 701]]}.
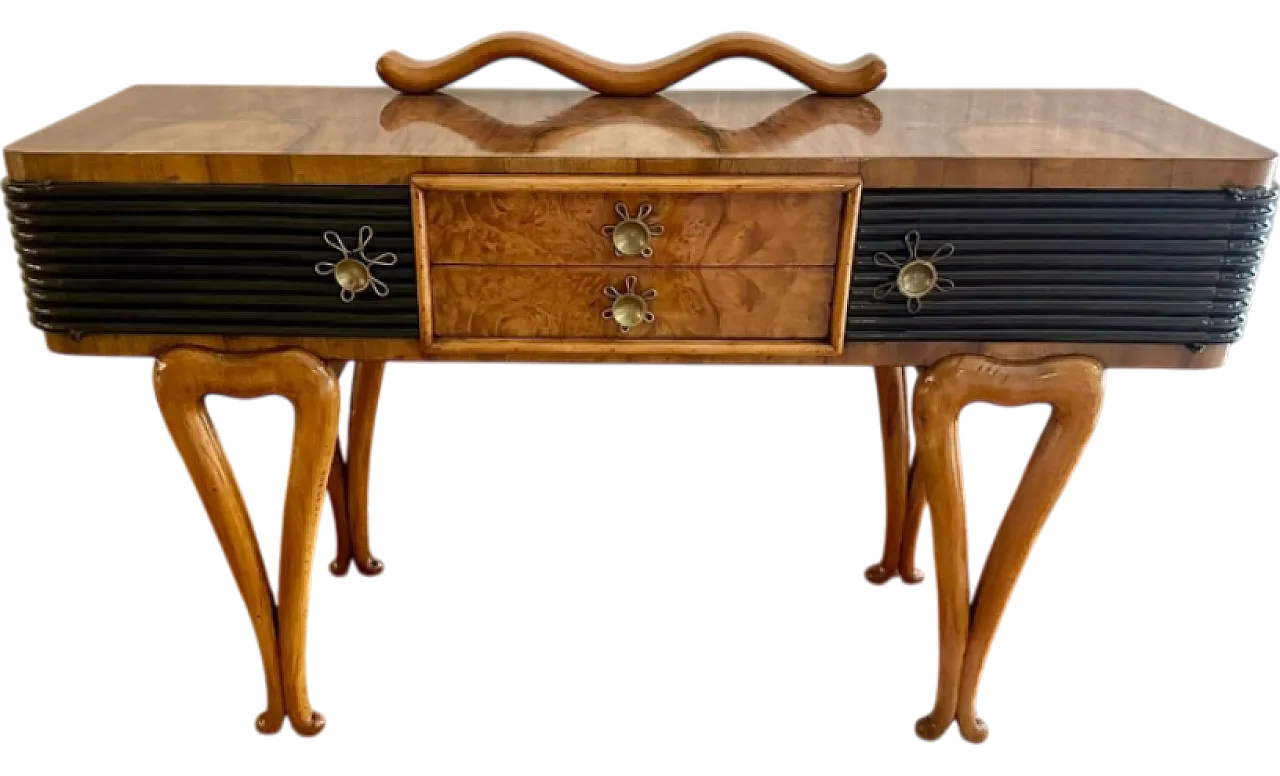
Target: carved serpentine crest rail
{"points": [[414, 76]]}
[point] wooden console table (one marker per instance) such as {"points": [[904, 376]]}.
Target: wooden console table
{"points": [[1012, 245]]}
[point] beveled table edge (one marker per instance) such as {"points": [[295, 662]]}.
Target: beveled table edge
{"points": [[1109, 354], [883, 172]]}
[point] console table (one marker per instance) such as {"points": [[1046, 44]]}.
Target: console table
{"points": [[1011, 245]]}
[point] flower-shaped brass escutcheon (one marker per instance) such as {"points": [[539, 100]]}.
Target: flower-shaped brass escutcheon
{"points": [[916, 277], [632, 234], [354, 271], [630, 308]]}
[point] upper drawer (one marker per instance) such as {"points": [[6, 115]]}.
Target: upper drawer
{"points": [[778, 221]]}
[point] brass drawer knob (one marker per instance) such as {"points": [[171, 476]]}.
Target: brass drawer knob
{"points": [[917, 277], [630, 308], [632, 234], [354, 271]]}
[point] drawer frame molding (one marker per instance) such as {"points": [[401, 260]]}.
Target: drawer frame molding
{"points": [[850, 187]]}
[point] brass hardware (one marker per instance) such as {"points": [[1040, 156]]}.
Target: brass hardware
{"points": [[352, 275], [354, 271], [629, 308], [631, 235], [916, 277]]}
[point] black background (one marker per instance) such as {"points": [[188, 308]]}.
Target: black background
{"points": [[634, 560]]}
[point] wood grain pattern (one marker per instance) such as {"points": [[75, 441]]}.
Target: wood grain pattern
{"points": [[337, 487], [183, 378], [789, 121], [844, 268], [349, 478], [416, 76], [895, 437], [422, 267], [366, 386], [640, 184], [1072, 386], [916, 501], [536, 223], [1110, 355], [564, 228], [626, 349], [1037, 138], [540, 302]]}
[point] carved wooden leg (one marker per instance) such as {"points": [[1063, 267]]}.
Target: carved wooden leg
{"points": [[911, 523], [341, 521], [366, 391], [1073, 387], [183, 378], [895, 435], [338, 498]]}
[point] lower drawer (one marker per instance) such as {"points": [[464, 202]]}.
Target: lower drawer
{"points": [[705, 303]]}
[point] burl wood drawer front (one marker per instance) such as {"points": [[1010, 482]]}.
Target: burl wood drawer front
{"points": [[541, 227], [564, 303]]}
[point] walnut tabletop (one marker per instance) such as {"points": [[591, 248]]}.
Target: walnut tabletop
{"points": [[890, 138]]}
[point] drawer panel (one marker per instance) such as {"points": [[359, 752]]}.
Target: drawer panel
{"points": [[1065, 266], [566, 303], [565, 227], [216, 259]]}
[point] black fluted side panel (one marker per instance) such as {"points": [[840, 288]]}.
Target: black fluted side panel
{"points": [[1065, 265], [209, 259]]}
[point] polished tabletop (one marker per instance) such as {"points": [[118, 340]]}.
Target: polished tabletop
{"points": [[1018, 138]]}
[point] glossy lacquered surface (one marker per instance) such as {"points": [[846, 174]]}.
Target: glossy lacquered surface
{"points": [[210, 259], [210, 134], [618, 80], [735, 264], [1070, 265]]}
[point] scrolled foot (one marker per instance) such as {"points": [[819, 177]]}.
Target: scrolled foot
{"points": [[879, 574], [929, 730], [338, 567], [269, 722], [370, 567], [973, 730], [913, 577], [311, 724]]}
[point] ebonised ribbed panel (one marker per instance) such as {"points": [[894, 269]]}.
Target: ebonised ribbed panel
{"points": [[215, 259], [1065, 265]]}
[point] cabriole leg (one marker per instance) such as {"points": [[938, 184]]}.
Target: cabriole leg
{"points": [[351, 480], [365, 389], [183, 378], [337, 487], [1073, 387], [902, 500]]}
